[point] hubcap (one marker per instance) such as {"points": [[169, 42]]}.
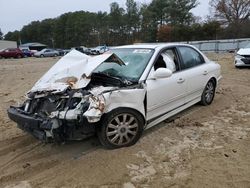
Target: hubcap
{"points": [[122, 129], [209, 93]]}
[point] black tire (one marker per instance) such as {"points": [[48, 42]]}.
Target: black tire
{"points": [[115, 132], [239, 67], [19, 56], [207, 96], [41, 55]]}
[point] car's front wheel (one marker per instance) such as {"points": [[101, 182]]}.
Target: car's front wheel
{"points": [[208, 93], [120, 128]]}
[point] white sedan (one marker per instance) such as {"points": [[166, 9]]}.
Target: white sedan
{"points": [[118, 94], [242, 58]]}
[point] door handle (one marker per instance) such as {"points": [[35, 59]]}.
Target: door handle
{"points": [[180, 81], [205, 73]]}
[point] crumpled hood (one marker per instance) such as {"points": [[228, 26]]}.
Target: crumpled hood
{"points": [[244, 51], [73, 70]]}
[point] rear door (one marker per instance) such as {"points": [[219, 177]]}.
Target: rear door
{"points": [[196, 71]]}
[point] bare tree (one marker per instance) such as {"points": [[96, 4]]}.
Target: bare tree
{"points": [[231, 11]]}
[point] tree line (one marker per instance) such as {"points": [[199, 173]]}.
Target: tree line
{"points": [[158, 21]]}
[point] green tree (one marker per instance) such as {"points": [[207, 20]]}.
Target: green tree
{"points": [[116, 25], [174, 12], [132, 20], [148, 24], [13, 36], [134, 23]]}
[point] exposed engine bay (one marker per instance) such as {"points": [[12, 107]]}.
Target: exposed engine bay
{"points": [[73, 113]]}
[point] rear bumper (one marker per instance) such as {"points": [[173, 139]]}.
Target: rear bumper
{"points": [[34, 125]]}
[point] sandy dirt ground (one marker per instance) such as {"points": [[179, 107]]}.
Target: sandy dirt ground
{"points": [[200, 147]]}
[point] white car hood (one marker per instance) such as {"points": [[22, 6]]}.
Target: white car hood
{"points": [[244, 51], [73, 70]]}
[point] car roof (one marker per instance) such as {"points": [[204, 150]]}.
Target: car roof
{"points": [[152, 45]]}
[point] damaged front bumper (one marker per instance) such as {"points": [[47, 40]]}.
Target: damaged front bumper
{"points": [[29, 123], [50, 130]]}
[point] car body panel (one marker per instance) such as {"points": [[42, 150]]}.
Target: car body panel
{"points": [[73, 70], [165, 94]]}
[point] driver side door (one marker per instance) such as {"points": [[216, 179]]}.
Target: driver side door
{"points": [[165, 94]]}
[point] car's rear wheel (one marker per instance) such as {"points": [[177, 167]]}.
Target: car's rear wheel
{"points": [[41, 55], [120, 128], [208, 93], [19, 56]]}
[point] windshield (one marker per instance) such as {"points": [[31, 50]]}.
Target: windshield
{"points": [[135, 61]]}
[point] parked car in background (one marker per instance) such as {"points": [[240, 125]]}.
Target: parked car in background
{"points": [[11, 53], [47, 53], [66, 51], [118, 94], [60, 51], [242, 58], [99, 50], [83, 49], [27, 53]]}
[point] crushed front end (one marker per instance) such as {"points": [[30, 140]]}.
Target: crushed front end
{"points": [[57, 117], [68, 102]]}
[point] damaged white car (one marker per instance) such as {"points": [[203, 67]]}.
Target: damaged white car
{"points": [[118, 94]]}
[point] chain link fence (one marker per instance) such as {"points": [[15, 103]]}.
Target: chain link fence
{"points": [[219, 46]]}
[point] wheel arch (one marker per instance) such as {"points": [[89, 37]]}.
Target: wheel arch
{"points": [[124, 108], [214, 80]]}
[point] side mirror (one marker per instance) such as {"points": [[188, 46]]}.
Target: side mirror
{"points": [[162, 73]]}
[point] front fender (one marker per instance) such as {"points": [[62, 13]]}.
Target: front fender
{"points": [[127, 98]]}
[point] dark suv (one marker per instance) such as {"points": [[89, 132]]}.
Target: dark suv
{"points": [[11, 52]]}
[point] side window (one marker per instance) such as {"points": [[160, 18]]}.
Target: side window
{"points": [[171, 59], [160, 63], [168, 59], [190, 57]]}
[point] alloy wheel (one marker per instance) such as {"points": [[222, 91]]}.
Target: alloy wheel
{"points": [[209, 92], [122, 129]]}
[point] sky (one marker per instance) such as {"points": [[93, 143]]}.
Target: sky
{"points": [[14, 14]]}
